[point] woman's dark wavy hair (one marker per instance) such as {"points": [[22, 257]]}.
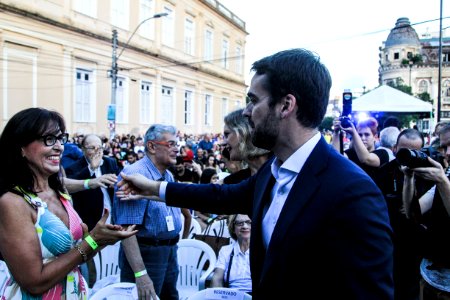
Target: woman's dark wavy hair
{"points": [[298, 72], [207, 174], [22, 129]]}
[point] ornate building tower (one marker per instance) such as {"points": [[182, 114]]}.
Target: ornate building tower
{"points": [[406, 59]]}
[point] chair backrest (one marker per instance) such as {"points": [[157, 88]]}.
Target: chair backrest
{"points": [[4, 276], [117, 291], [196, 260], [195, 228], [220, 293], [218, 228], [107, 261]]}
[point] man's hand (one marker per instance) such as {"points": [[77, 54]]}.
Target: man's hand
{"points": [[136, 186], [146, 290], [105, 181], [434, 173], [95, 159]]}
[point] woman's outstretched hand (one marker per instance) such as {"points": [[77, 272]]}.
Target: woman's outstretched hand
{"points": [[108, 234]]}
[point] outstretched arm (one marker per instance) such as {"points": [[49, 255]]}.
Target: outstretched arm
{"points": [[136, 186]]}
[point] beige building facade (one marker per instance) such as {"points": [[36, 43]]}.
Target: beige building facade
{"points": [[184, 69], [398, 59]]}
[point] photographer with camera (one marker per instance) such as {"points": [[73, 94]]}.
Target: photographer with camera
{"points": [[432, 211], [362, 149], [408, 235]]}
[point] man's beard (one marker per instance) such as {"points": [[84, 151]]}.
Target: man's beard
{"points": [[265, 135]]}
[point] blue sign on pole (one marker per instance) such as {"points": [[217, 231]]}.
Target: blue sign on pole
{"points": [[111, 112]]}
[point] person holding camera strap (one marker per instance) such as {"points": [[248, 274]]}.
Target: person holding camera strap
{"points": [[432, 210], [362, 150]]}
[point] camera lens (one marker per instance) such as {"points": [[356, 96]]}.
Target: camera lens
{"points": [[412, 158]]}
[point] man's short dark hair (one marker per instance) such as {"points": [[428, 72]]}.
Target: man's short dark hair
{"points": [[298, 72]]}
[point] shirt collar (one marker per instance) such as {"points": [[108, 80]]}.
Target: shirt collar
{"points": [[295, 162]]}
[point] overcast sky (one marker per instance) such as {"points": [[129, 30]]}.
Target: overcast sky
{"points": [[346, 34]]}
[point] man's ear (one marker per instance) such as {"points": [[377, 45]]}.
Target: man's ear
{"points": [[288, 105], [151, 147]]}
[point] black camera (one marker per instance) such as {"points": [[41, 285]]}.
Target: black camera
{"points": [[345, 122], [412, 158]]}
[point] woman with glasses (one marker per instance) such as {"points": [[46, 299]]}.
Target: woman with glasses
{"points": [[233, 264], [42, 238]]}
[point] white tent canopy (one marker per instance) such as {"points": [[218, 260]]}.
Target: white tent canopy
{"points": [[388, 99]]}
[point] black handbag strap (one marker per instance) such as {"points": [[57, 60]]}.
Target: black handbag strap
{"points": [[227, 281]]}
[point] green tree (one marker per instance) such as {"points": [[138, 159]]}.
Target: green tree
{"points": [[399, 84]]}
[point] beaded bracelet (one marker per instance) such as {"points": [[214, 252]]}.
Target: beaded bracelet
{"points": [[82, 253]]}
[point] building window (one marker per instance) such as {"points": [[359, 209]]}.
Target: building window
{"points": [[187, 107], [168, 28], [167, 105], [224, 107], [225, 54], [423, 86], [189, 40], [446, 88], [238, 60], [87, 7], [120, 12], [146, 102], [121, 101], [445, 114], [147, 28], [84, 96], [446, 57], [208, 55], [396, 55], [208, 110], [237, 104]]}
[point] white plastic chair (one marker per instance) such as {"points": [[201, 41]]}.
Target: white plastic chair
{"points": [[196, 261], [107, 261], [195, 228], [4, 276], [220, 293], [218, 228], [117, 291]]}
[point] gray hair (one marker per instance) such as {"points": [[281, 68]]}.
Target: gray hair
{"points": [[388, 137], [156, 131]]}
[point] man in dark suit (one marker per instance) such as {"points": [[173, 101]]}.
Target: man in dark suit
{"points": [[320, 225], [90, 202]]}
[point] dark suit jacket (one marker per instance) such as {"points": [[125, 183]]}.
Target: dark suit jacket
{"points": [[89, 203], [332, 239]]}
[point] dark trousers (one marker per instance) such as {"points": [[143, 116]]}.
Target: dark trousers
{"points": [[162, 266]]}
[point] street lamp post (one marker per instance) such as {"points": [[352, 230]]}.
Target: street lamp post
{"points": [[114, 70]]}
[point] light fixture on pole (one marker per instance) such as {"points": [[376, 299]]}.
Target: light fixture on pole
{"points": [[114, 70], [438, 117]]}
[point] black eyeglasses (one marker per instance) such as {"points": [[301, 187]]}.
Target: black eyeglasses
{"points": [[241, 223], [50, 139]]}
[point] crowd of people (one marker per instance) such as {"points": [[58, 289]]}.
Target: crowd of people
{"points": [[322, 221]]}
